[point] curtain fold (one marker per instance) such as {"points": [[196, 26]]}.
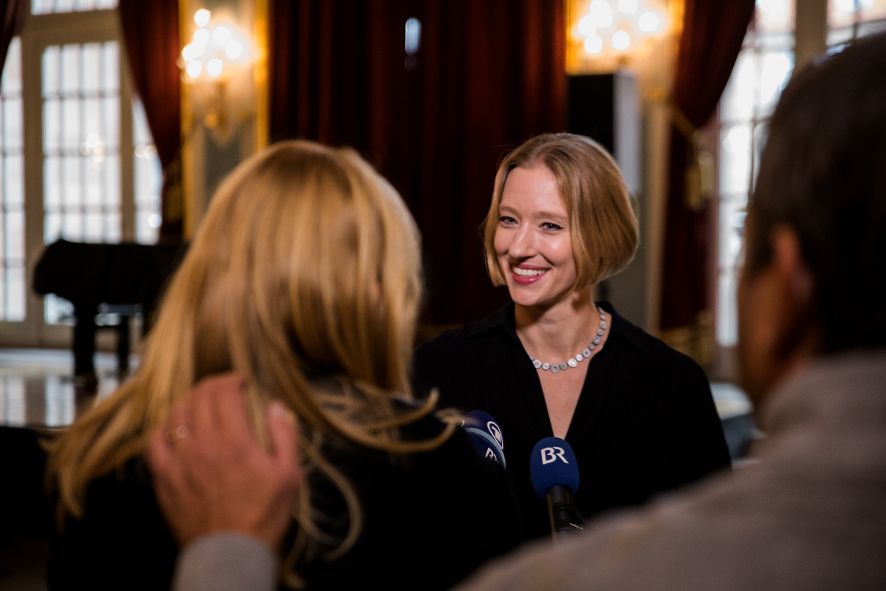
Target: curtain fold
{"points": [[13, 14], [486, 76], [712, 37], [151, 33]]}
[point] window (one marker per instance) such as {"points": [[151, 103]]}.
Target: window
{"points": [[12, 192], [762, 70], [76, 143]]}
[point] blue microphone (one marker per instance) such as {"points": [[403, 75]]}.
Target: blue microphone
{"points": [[554, 472], [485, 435]]}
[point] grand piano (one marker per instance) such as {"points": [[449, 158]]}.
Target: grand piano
{"points": [[105, 281]]}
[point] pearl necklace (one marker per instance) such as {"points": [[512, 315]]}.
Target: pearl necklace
{"points": [[574, 361]]}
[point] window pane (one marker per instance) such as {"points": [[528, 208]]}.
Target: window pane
{"points": [[94, 185], [91, 68], [110, 126], [70, 125], [873, 9], [774, 16], [52, 226], [12, 70], [12, 217], [14, 310], [92, 124], [94, 227], [58, 311], [732, 216], [14, 243], [13, 180], [50, 6], [735, 159], [111, 171], [737, 102], [762, 70], [70, 69], [110, 68], [70, 182], [11, 122], [148, 181], [845, 13], [727, 321], [872, 27], [51, 76], [52, 126], [42, 6], [775, 70]]}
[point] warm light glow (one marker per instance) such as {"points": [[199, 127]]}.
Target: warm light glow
{"points": [[194, 68], [201, 17], [593, 44], [600, 13], [608, 33], [628, 6], [621, 40], [217, 65], [649, 22], [214, 67], [221, 35], [217, 48], [234, 50]]}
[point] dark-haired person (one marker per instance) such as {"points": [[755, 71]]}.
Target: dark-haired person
{"points": [[809, 513], [555, 362]]}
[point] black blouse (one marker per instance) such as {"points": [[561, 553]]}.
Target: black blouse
{"points": [[645, 421], [414, 505]]}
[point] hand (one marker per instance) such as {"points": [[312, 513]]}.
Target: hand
{"points": [[212, 474]]}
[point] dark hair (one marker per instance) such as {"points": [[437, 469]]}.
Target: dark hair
{"points": [[823, 174]]}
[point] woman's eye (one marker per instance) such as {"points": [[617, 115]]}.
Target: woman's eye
{"points": [[506, 220], [551, 226]]}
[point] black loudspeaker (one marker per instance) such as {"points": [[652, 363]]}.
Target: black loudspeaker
{"points": [[606, 107]]}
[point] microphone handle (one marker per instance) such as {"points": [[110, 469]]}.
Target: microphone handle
{"points": [[562, 513]]}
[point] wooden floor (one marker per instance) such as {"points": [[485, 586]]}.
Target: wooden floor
{"points": [[38, 398]]}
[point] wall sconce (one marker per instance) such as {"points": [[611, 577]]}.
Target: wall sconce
{"points": [[217, 66], [605, 35]]}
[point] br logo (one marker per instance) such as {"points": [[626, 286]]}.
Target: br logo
{"points": [[495, 431], [490, 455], [550, 454]]}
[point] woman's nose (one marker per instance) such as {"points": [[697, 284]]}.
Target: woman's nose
{"points": [[522, 242]]}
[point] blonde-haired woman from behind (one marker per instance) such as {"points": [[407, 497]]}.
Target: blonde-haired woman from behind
{"points": [[305, 279]]}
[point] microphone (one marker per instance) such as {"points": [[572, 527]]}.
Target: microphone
{"points": [[554, 473], [485, 435]]}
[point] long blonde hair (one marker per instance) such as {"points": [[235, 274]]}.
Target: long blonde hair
{"points": [[305, 278]]}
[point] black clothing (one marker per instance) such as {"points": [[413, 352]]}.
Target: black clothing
{"points": [[414, 505], [645, 421]]}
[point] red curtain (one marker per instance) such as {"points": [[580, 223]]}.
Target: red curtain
{"points": [[487, 75], [712, 37], [151, 33], [12, 12]]}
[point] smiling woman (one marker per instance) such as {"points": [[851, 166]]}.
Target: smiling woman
{"points": [[639, 415]]}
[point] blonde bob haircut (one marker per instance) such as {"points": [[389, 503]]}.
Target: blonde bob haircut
{"points": [[305, 278], [603, 225]]}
